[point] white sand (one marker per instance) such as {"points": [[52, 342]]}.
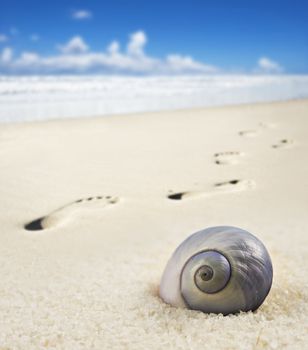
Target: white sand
{"points": [[89, 280]]}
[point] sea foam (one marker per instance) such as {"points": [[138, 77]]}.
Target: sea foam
{"points": [[32, 98]]}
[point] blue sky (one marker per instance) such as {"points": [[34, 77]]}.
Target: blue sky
{"points": [[134, 36]]}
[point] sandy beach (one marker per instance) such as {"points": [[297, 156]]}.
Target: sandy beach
{"points": [[92, 209]]}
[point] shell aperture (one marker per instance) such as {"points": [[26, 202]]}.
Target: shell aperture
{"points": [[221, 269]]}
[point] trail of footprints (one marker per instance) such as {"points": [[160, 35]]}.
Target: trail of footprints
{"points": [[227, 158], [79, 207]]}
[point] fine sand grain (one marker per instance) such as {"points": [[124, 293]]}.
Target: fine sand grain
{"points": [[91, 211]]}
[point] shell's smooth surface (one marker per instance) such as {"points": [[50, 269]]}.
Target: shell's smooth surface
{"points": [[220, 269]]}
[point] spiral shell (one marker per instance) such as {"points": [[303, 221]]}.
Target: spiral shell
{"points": [[220, 269]]}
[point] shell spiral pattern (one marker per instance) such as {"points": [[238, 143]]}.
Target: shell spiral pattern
{"points": [[220, 269]]}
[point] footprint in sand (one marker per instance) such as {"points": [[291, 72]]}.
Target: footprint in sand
{"points": [[248, 133], [219, 187], [255, 132], [284, 143], [265, 125], [67, 212], [222, 158]]}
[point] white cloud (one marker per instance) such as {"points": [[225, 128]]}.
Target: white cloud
{"points": [[136, 43], [34, 37], [76, 45], [266, 65], [113, 48], [6, 55], [28, 58], [3, 38], [81, 14], [178, 63], [75, 56]]}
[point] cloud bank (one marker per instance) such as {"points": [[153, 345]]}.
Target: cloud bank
{"points": [[75, 56]]}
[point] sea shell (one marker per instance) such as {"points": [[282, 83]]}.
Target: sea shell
{"points": [[220, 269]]}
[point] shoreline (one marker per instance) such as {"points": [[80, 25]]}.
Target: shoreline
{"points": [[145, 113], [64, 97]]}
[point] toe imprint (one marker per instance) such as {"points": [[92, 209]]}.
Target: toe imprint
{"points": [[231, 157]]}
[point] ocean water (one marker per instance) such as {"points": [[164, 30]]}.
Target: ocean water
{"points": [[32, 98]]}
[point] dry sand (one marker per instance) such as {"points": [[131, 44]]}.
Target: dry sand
{"points": [[89, 279]]}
